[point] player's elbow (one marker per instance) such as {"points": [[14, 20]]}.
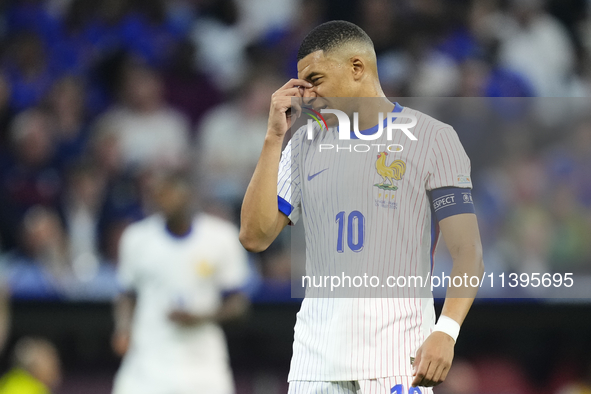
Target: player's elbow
{"points": [[251, 242], [469, 257], [480, 266], [478, 261]]}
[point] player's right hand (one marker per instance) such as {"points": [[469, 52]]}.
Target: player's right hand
{"points": [[284, 108], [433, 360]]}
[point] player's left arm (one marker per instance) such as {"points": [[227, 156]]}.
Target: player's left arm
{"points": [[433, 359]]}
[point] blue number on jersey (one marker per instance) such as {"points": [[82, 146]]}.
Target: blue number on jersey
{"points": [[355, 231], [399, 389], [355, 216], [340, 220]]}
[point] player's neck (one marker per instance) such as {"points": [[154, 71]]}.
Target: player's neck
{"points": [[371, 88], [369, 110], [179, 226]]}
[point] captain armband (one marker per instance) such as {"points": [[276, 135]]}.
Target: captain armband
{"points": [[450, 201]]}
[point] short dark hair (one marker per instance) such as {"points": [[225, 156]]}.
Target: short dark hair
{"points": [[331, 35]]}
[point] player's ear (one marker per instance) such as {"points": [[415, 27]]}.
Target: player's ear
{"points": [[357, 67]]}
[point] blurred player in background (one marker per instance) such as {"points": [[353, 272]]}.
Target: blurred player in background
{"points": [[364, 345], [186, 272], [37, 368]]}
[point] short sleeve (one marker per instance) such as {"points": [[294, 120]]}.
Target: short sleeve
{"points": [[127, 266], [233, 271], [449, 163], [289, 182]]}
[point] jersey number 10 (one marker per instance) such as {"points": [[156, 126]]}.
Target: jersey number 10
{"points": [[399, 389], [355, 231]]}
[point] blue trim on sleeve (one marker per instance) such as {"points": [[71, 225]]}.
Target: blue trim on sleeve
{"points": [[450, 201], [284, 206]]}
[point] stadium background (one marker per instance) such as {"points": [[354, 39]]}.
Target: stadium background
{"points": [[96, 94]]}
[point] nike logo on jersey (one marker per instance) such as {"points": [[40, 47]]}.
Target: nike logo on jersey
{"points": [[310, 177]]}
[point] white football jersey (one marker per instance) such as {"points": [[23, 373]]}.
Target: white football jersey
{"points": [[169, 272], [369, 212]]}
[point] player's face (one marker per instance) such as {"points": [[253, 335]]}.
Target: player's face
{"points": [[331, 76], [172, 198]]}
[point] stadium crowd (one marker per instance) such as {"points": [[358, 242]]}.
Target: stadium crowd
{"points": [[96, 94]]}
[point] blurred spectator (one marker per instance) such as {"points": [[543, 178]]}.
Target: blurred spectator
{"points": [[234, 133], [148, 131], [84, 199], [45, 241], [182, 13], [28, 71], [220, 44], [378, 20], [94, 29], [188, 90], [32, 15], [75, 47], [28, 176], [381, 21], [103, 148], [528, 224], [476, 51], [257, 18], [571, 232], [37, 368], [581, 156], [433, 72], [435, 75], [67, 112], [121, 200], [482, 79], [147, 33], [528, 232], [40, 264], [66, 54], [570, 160], [535, 44], [278, 48]]}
